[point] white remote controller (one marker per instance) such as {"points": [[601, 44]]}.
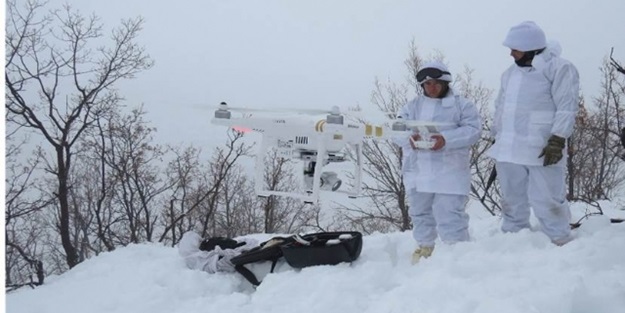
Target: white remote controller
{"points": [[422, 144]]}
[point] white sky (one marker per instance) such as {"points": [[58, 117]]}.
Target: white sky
{"points": [[316, 54], [495, 273]]}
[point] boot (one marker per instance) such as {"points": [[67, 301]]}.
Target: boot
{"points": [[421, 252], [563, 241]]}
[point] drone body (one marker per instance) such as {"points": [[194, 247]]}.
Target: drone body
{"points": [[316, 142]]}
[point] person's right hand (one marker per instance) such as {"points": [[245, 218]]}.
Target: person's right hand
{"points": [[413, 138]]}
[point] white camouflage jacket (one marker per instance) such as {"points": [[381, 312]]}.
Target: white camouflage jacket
{"points": [[533, 104], [446, 170]]}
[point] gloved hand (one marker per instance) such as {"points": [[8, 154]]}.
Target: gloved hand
{"points": [[436, 142], [439, 142], [413, 138], [553, 150]]}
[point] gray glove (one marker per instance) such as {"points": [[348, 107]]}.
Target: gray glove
{"points": [[553, 150]]}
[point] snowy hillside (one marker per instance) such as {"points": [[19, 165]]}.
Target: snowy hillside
{"points": [[495, 273]]}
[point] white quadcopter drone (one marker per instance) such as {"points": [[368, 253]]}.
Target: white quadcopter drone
{"points": [[317, 143]]}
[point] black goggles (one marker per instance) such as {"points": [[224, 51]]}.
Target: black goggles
{"points": [[430, 72]]}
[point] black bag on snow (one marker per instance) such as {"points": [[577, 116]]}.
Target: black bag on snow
{"points": [[327, 248], [223, 242]]}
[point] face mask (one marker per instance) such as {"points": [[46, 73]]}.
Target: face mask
{"points": [[527, 58]]}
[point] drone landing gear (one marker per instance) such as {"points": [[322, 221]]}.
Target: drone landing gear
{"points": [[309, 174]]}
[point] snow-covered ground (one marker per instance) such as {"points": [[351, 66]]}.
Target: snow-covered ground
{"points": [[495, 272]]}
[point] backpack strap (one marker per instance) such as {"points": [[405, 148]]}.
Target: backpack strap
{"points": [[248, 274], [267, 251]]}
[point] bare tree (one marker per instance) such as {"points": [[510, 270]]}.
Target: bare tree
{"points": [[93, 210], [239, 213], [279, 175], [620, 123], [595, 168], [201, 190], [134, 160], [97, 185], [118, 183], [481, 165], [184, 173], [221, 165], [46, 57], [23, 257]]}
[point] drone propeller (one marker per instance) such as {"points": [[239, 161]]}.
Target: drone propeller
{"points": [[415, 123], [226, 107], [241, 129]]}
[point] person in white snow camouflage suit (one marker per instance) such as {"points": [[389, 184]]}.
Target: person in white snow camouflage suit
{"points": [[438, 179], [534, 115]]}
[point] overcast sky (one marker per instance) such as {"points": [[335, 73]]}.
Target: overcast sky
{"points": [[316, 54]]}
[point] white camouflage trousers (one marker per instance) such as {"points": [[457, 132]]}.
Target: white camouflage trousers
{"points": [[539, 187], [436, 214]]}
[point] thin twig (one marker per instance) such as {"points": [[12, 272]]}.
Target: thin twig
{"points": [[616, 65]]}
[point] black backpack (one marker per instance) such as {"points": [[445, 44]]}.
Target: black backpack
{"points": [[223, 242], [327, 248]]}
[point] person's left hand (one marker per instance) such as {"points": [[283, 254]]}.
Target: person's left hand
{"points": [[552, 152], [439, 141]]}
